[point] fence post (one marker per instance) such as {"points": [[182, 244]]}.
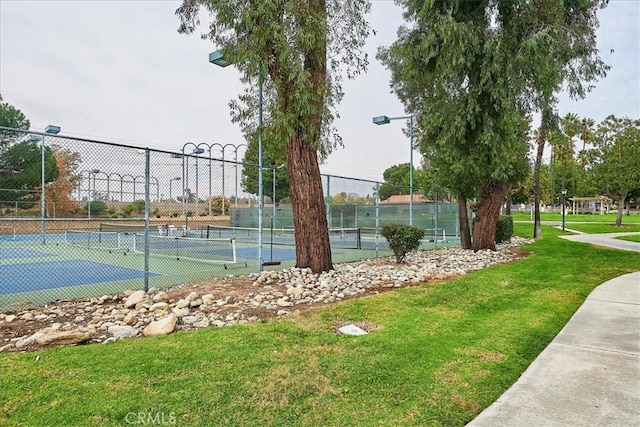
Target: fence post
{"points": [[435, 216], [42, 199], [377, 216], [327, 201], [147, 207]]}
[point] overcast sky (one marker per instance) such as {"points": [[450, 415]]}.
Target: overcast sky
{"points": [[119, 71]]}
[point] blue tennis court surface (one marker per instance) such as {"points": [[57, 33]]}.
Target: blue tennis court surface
{"points": [[37, 276], [17, 253]]}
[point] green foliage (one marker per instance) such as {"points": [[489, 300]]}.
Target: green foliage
{"points": [[138, 206], [504, 232], [21, 172], [397, 181], [128, 209], [473, 81], [616, 159], [402, 239], [98, 207], [303, 52], [11, 117], [272, 157]]}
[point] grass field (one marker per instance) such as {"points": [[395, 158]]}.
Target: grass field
{"points": [[632, 238], [634, 218], [441, 352]]}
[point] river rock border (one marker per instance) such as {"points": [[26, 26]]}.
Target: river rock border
{"points": [[246, 299]]}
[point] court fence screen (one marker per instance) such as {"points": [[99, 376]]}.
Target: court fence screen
{"points": [[83, 218]]}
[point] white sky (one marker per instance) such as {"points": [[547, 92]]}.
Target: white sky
{"points": [[119, 71]]}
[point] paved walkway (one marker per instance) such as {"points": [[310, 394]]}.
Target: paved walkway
{"points": [[589, 375], [609, 240]]}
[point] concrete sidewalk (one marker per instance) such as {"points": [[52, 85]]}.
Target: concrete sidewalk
{"points": [[608, 240], [590, 373]]}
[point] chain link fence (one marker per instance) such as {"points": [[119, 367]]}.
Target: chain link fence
{"points": [[82, 218]]}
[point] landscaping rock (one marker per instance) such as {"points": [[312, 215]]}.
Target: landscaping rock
{"points": [[135, 298], [164, 326], [50, 336]]}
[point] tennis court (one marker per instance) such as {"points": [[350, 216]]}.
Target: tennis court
{"points": [[83, 263]]}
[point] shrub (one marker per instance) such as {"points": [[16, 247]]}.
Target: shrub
{"points": [[504, 231], [402, 239], [98, 207]]}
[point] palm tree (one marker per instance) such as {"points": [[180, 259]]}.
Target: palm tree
{"points": [[587, 136]]}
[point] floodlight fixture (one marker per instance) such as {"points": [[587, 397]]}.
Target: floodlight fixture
{"points": [[381, 120], [52, 129], [219, 59]]}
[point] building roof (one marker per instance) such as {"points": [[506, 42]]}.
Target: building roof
{"points": [[590, 199], [404, 199]]}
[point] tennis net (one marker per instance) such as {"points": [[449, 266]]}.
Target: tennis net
{"points": [[133, 228], [218, 251], [91, 239], [346, 238]]}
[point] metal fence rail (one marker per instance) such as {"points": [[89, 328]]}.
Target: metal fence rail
{"points": [[112, 217]]}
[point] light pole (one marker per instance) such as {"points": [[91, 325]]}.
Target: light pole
{"points": [[185, 172], [218, 58], [383, 120], [222, 151], [236, 154], [175, 178], [52, 130], [89, 173], [109, 183], [564, 195], [273, 215]]}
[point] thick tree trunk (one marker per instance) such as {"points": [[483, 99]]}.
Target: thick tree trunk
{"points": [[621, 198], [507, 210], [463, 218], [309, 218], [486, 220]]}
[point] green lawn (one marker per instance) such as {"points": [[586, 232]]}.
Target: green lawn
{"points": [[632, 238], [440, 354], [634, 218]]}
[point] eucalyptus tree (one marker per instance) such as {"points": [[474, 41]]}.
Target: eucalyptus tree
{"points": [[473, 70], [457, 67], [21, 172], [397, 181], [11, 117], [302, 48], [616, 168]]}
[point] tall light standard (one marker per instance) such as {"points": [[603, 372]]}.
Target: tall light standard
{"points": [[236, 154], [273, 215], [564, 195], [51, 130], [218, 59], [109, 183], [185, 174], [383, 120], [91, 172], [175, 178]]}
